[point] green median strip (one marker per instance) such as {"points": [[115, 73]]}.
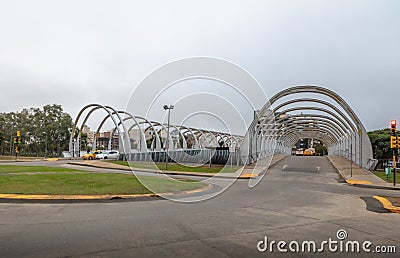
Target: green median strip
{"points": [[89, 184], [179, 167], [34, 169]]}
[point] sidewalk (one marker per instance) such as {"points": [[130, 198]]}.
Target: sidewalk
{"points": [[259, 167], [247, 172], [359, 176]]}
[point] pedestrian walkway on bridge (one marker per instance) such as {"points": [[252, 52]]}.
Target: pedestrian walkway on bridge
{"points": [[356, 175]]}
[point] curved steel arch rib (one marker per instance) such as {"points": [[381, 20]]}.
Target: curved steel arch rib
{"points": [[346, 123], [94, 108]]}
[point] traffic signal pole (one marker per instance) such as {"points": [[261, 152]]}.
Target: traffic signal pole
{"points": [[394, 167], [17, 141], [393, 125], [394, 161]]}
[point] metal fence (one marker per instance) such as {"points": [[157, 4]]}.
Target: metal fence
{"points": [[198, 156]]}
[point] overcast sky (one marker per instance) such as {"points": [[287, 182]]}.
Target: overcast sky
{"points": [[78, 52]]}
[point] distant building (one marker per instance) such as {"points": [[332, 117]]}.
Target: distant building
{"points": [[30, 111], [90, 135], [103, 139]]}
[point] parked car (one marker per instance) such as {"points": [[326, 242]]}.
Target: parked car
{"points": [[309, 152], [91, 155], [299, 152], [108, 155]]}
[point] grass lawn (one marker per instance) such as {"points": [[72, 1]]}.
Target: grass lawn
{"points": [[33, 169], [383, 176], [179, 167], [88, 183]]}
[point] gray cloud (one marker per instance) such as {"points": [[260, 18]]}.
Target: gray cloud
{"points": [[78, 52]]}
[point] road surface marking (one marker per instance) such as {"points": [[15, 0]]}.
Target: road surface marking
{"points": [[358, 182], [387, 204]]}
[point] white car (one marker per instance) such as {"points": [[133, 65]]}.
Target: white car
{"points": [[108, 155]]}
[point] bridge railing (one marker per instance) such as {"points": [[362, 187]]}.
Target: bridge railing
{"points": [[197, 156]]}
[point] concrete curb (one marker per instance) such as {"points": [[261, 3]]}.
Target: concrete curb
{"points": [[387, 204], [39, 197], [52, 159], [20, 160], [32, 160], [358, 182], [338, 170]]}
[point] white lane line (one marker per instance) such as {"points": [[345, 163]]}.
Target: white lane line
{"points": [[285, 166], [318, 168]]}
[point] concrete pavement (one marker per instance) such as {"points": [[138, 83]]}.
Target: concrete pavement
{"points": [[300, 198]]}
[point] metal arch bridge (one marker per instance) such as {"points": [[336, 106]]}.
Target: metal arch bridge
{"points": [[276, 127], [332, 121], [186, 144]]}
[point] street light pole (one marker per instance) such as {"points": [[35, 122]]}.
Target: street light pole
{"points": [[351, 156], [45, 150], [166, 107], [11, 140]]}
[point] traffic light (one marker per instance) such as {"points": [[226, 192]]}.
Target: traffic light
{"points": [[18, 133], [393, 126], [19, 140], [15, 140], [392, 141], [395, 142]]}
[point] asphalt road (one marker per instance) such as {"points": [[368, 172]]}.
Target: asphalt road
{"points": [[299, 199]]}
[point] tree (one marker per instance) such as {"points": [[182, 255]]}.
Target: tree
{"points": [[1, 143], [8, 122], [56, 124], [50, 122], [84, 141], [380, 141], [321, 149]]}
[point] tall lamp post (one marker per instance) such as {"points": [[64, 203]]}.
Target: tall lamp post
{"points": [[11, 139], [166, 107], [45, 150]]}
